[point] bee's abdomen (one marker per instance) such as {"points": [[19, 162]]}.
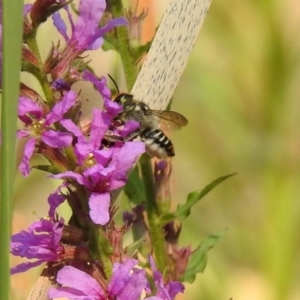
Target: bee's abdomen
{"points": [[157, 143]]}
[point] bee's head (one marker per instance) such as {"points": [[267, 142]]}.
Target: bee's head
{"points": [[124, 99]]}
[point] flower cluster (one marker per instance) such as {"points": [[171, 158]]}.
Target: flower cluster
{"points": [[91, 170], [93, 157]]}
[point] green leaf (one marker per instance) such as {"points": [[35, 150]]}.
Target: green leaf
{"points": [[107, 45], [141, 50], [132, 248], [134, 189], [11, 66], [183, 211], [198, 259]]}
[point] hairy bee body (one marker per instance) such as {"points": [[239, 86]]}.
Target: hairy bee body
{"points": [[157, 143]]}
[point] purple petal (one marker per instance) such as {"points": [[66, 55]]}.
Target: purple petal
{"points": [[37, 252], [81, 281], [97, 173], [174, 287], [26, 9], [28, 151], [82, 150], [120, 276], [125, 157], [102, 31], [60, 25], [135, 286], [99, 208], [69, 175], [90, 13], [152, 263], [70, 17], [95, 45], [70, 126], [102, 157], [54, 201], [27, 106], [60, 84], [129, 127], [117, 183], [57, 139], [69, 293], [60, 108], [22, 134], [112, 107], [23, 267], [99, 126], [99, 84]]}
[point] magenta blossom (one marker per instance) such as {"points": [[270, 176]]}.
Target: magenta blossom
{"points": [[104, 170], [107, 174], [162, 291], [85, 33], [38, 126], [41, 242], [42, 239], [126, 283]]}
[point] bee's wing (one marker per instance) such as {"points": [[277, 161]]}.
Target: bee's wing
{"points": [[172, 119]]}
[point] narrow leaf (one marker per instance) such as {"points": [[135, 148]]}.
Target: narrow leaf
{"points": [[198, 259], [183, 211], [133, 248]]}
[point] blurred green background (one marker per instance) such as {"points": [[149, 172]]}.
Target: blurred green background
{"points": [[240, 93]]}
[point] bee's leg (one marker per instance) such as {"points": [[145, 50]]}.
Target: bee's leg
{"points": [[109, 140], [132, 136]]}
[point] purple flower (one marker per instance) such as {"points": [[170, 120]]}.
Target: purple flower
{"points": [[86, 34], [41, 242], [104, 170], [85, 148], [108, 173], [164, 292], [38, 126], [126, 283]]}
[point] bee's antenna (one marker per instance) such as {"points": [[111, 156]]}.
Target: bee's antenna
{"points": [[114, 83]]}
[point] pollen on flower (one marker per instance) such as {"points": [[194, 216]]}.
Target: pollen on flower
{"points": [[37, 127], [90, 161]]}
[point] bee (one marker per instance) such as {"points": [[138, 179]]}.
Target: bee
{"points": [[157, 143]]}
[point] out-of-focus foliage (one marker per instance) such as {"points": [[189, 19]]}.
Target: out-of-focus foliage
{"points": [[241, 94]]}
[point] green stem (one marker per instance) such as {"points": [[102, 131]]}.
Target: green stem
{"points": [[123, 46], [131, 72], [41, 76], [155, 230], [11, 47]]}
